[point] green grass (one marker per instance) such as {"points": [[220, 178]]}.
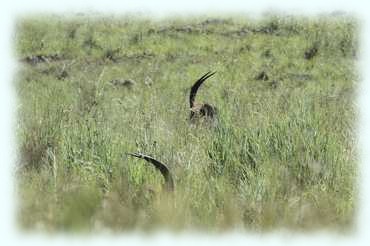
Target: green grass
{"points": [[282, 155]]}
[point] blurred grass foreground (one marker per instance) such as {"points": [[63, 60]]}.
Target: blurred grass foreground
{"points": [[92, 88]]}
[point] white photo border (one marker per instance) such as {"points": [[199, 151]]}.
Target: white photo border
{"points": [[11, 10]]}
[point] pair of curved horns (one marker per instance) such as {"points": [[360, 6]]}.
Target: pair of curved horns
{"points": [[169, 184], [196, 86]]}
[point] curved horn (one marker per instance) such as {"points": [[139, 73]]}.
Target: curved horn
{"points": [[196, 86], [169, 184]]}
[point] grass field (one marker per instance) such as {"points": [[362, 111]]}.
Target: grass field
{"points": [[283, 154]]}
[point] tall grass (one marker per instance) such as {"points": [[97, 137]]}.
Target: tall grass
{"points": [[282, 153]]}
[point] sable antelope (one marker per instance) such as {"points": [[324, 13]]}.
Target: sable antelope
{"points": [[169, 184], [198, 110]]}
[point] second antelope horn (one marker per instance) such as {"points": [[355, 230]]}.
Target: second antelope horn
{"points": [[169, 184]]}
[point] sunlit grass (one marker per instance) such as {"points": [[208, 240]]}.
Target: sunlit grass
{"points": [[281, 155]]}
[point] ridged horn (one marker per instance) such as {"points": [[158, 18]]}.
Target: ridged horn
{"points": [[169, 184], [195, 87]]}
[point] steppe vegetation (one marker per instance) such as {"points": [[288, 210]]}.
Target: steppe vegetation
{"points": [[93, 88]]}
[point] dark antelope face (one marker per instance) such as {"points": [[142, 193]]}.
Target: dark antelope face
{"points": [[206, 111]]}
